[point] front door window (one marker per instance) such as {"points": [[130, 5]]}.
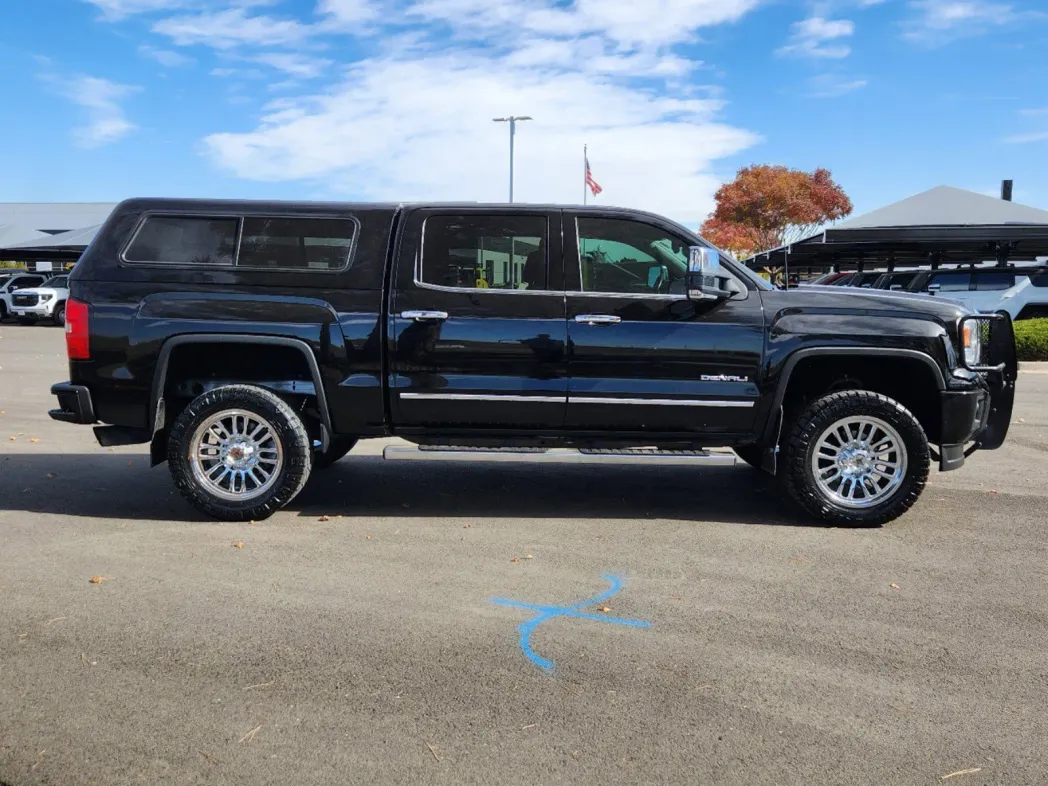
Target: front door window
{"points": [[620, 256]]}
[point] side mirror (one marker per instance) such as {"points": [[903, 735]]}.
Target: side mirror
{"points": [[705, 277], [933, 289], [895, 287]]}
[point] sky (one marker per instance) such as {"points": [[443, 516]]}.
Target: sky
{"points": [[393, 100]]}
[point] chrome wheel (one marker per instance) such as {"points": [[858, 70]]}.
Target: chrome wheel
{"points": [[859, 462], [236, 455]]}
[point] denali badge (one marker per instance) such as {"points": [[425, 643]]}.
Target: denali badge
{"points": [[723, 378]]}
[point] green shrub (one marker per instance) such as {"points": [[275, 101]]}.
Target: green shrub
{"points": [[1031, 339]]}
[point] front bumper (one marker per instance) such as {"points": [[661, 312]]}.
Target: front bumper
{"points": [[981, 414], [39, 311], [74, 404]]}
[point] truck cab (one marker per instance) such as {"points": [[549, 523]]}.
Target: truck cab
{"points": [[253, 343]]}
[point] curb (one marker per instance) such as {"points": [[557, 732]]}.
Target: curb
{"points": [[1029, 367]]}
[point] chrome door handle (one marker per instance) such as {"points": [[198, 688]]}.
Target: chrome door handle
{"points": [[425, 316], [598, 319]]}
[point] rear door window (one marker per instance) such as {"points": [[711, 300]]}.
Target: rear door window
{"points": [[989, 282], [505, 252], [296, 243], [951, 282], [185, 240]]}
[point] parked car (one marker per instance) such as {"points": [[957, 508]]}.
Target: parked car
{"points": [[13, 282], [1020, 292], [47, 301], [252, 343], [824, 280], [864, 280], [896, 280]]}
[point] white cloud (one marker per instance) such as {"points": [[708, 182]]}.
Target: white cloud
{"points": [[117, 9], [814, 37], [348, 12], [833, 86], [165, 56], [232, 27], [1040, 111], [1020, 139], [106, 121], [300, 66], [422, 130], [938, 22]]}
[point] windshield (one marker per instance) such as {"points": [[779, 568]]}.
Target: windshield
{"points": [[4, 280]]}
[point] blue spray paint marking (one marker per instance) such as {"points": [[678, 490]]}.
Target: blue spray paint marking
{"points": [[547, 613]]}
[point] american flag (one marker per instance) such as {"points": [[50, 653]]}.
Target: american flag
{"points": [[594, 186]]}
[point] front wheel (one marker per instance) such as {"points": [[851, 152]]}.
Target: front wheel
{"points": [[855, 458], [239, 453], [58, 316]]}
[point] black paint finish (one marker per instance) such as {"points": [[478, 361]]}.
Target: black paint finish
{"points": [[506, 364]]}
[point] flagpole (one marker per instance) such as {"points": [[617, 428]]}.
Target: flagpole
{"points": [[585, 172]]}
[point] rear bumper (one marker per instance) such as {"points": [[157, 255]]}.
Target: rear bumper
{"points": [[74, 404]]}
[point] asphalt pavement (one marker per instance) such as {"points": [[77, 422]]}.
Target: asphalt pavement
{"points": [[353, 637]]}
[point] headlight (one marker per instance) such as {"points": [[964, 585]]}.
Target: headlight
{"points": [[45, 298], [971, 340]]}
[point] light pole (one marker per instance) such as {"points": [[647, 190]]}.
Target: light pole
{"points": [[512, 132]]}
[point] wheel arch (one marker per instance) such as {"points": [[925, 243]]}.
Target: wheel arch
{"points": [[769, 435], [156, 412]]}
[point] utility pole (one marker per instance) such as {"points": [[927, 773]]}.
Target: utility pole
{"points": [[512, 120]]}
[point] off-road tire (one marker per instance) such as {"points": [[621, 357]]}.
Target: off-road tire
{"points": [[751, 454], [795, 461], [337, 448], [289, 430], [58, 315]]}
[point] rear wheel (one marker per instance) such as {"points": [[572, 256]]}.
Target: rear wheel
{"points": [[337, 448], [58, 315], [855, 458], [239, 452]]}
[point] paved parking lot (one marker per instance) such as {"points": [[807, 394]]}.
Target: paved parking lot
{"points": [[353, 639]]}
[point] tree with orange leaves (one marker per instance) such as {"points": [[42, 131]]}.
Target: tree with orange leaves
{"points": [[768, 206]]}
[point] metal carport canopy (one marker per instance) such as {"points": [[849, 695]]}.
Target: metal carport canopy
{"points": [[941, 225]]}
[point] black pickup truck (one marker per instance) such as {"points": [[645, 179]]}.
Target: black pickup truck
{"points": [[251, 343]]}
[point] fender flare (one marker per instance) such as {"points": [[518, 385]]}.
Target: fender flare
{"points": [[769, 435], [156, 414]]}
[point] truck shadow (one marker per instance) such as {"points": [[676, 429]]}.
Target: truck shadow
{"points": [[123, 486]]}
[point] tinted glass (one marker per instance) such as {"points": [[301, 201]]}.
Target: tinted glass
{"points": [[901, 279], [485, 252], [185, 240], [951, 282], [1039, 279], [4, 280], [296, 243], [628, 257], [58, 282], [26, 282], [843, 281], [986, 282]]}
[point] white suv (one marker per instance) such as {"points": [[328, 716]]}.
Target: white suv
{"points": [[13, 282], [47, 301], [1022, 292]]}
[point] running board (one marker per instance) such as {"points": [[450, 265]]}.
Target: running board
{"points": [[561, 455]]}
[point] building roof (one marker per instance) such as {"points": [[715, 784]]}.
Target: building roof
{"points": [[947, 206], [54, 217]]}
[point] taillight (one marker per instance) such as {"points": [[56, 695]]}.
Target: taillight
{"points": [[76, 330]]}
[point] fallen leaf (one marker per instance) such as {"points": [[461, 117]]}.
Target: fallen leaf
{"points": [[251, 734], [993, 491], [23, 636], [239, 544], [252, 523], [895, 586], [605, 609], [515, 559], [368, 537], [324, 518], [1020, 420], [34, 440], [969, 771], [100, 579], [467, 526], [528, 556], [13, 439]]}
